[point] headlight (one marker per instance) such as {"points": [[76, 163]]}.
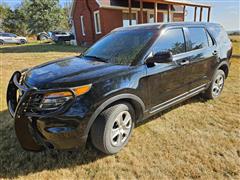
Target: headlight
{"points": [[52, 101]]}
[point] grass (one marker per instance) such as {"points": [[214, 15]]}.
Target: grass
{"points": [[236, 44], [235, 38], [196, 139]]}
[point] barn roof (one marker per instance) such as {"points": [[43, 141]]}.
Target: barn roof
{"points": [[107, 3]]}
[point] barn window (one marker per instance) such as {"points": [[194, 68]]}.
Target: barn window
{"points": [[82, 25], [97, 22], [126, 21]]}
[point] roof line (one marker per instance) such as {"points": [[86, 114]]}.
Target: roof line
{"points": [[182, 2], [172, 2]]}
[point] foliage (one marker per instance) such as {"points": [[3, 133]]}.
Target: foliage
{"points": [[34, 16], [44, 15], [4, 11], [64, 24], [15, 21]]}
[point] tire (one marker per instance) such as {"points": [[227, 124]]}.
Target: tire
{"points": [[22, 41], [43, 37], [216, 86], [113, 128], [1, 42]]}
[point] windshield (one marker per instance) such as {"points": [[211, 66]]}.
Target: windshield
{"points": [[120, 47]]}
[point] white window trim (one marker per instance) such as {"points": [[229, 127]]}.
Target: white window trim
{"points": [[95, 22], [165, 13], [82, 25], [148, 15], [133, 12]]}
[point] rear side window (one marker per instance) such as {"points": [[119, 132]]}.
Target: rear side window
{"points": [[198, 38], [172, 40], [210, 40], [219, 34]]}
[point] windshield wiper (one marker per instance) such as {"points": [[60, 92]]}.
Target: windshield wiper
{"points": [[97, 58]]}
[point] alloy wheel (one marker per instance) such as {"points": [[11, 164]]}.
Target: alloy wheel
{"points": [[121, 128], [218, 85]]}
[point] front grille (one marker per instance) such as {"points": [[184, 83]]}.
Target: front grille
{"points": [[22, 99], [34, 102]]}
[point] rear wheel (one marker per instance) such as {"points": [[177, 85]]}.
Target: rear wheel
{"points": [[22, 41], [43, 37], [216, 87], [113, 128]]}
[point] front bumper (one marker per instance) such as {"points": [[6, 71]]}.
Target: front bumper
{"points": [[37, 131]]}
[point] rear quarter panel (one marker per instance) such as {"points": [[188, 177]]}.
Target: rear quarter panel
{"points": [[223, 42]]}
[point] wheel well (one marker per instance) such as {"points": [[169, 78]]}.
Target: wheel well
{"points": [[224, 68], [136, 106], [138, 109]]}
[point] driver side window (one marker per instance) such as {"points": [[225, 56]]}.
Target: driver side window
{"points": [[172, 40]]}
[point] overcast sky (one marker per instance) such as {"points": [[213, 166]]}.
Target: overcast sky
{"points": [[225, 12]]}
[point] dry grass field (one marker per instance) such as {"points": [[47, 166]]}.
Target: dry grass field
{"points": [[197, 139]]}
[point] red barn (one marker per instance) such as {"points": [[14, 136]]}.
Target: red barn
{"points": [[92, 19]]}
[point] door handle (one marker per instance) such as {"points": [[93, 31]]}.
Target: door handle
{"points": [[214, 53], [184, 63]]}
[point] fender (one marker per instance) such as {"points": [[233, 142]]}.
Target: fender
{"points": [[223, 63], [110, 101]]}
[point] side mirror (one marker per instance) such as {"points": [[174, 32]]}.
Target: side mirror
{"points": [[160, 57]]}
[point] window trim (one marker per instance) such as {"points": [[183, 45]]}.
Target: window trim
{"points": [[82, 25], [97, 20], [133, 12], [165, 15], [212, 38]]}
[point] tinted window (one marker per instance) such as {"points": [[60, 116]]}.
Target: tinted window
{"points": [[198, 38], [219, 34], [172, 40], [5, 35], [121, 47], [210, 40]]}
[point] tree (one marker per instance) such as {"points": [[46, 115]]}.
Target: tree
{"points": [[15, 21], [34, 16], [64, 24], [44, 15], [4, 11]]}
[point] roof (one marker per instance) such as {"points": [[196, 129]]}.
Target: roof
{"points": [[159, 25], [176, 2], [181, 2], [104, 3]]}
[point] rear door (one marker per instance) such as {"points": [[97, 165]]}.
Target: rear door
{"points": [[202, 56]]}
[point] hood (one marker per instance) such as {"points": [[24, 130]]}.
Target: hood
{"points": [[70, 72]]}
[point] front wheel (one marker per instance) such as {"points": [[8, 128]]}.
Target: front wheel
{"points": [[113, 128], [217, 84]]}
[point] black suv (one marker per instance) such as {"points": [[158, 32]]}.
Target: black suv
{"points": [[124, 78]]}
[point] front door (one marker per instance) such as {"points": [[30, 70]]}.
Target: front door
{"points": [[166, 81]]}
